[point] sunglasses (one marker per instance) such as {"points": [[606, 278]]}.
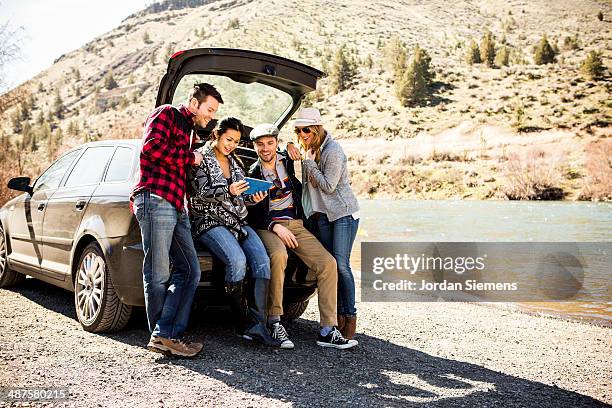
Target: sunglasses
{"points": [[306, 130]]}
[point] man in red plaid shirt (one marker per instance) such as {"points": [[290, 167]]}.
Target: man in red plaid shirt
{"points": [[159, 205]]}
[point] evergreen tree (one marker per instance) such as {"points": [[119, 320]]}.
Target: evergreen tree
{"points": [[16, 121], [473, 53], [503, 57], [58, 105], [24, 111], [600, 15], [34, 143], [592, 67], [412, 86], [343, 71], [487, 49], [543, 54], [395, 55], [26, 136], [109, 81]]}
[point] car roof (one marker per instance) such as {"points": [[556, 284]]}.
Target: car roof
{"points": [[110, 142]]}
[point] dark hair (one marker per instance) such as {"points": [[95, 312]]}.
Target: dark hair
{"points": [[203, 90], [223, 126]]}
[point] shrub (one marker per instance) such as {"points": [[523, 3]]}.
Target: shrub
{"points": [[233, 23], [342, 72], [571, 43], [395, 55], [592, 67], [109, 81], [543, 54], [533, 177], [598, 181], [600, 15], [473, 54], [503, 57], [487, 49]]}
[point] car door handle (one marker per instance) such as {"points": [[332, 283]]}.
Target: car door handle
{"points": [[80, 205], [41, 206]]}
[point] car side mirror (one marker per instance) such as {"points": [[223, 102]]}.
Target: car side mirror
{"points": [[20, 184]]}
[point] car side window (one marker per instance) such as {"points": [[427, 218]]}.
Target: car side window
{"points": [[52, 177], [90, 167], [120, 165]]}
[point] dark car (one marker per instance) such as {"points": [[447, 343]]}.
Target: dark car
{"points": [[73, 226]]}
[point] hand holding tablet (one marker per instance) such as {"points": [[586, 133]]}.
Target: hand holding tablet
{"points": [[256, 186]]}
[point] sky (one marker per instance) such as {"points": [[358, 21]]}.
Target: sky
{"points": [[54, 27]]}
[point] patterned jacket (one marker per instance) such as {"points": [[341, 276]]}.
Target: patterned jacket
{"points": [[210, 202]]}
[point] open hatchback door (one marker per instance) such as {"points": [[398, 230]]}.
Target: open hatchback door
{"points": [[256, 87]]}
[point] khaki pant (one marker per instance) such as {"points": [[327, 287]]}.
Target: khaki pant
{"points": [[316, 258]]}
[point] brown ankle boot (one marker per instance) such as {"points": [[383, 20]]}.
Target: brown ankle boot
{"points": [[341, 322], [350, 326]]}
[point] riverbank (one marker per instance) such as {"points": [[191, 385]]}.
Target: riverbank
{"points": [[455, 354], [479, 162]]}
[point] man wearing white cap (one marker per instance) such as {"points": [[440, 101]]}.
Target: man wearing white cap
{"points": [[278, 221]]}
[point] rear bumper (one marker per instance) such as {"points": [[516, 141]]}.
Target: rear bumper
{"points": [[125, 265]]}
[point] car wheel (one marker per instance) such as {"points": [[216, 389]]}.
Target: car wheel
{"points": [[8, 277], [98, 307], [294, 310]]}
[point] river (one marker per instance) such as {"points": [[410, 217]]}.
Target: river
{"points": [[495, 221]]}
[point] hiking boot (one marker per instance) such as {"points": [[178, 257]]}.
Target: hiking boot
{"points": [[174, 347], [279, 333], [350, 326], [334, 339], [341, 322]]}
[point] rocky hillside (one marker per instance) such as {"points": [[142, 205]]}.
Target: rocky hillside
{"points": [[519, 130]]}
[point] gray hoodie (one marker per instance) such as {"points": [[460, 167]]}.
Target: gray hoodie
{"points": [[330, 180]]}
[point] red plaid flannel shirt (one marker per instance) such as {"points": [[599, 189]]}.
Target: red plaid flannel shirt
{"points": [[165, 155]]}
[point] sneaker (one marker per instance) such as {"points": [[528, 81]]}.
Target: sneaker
{"points": [[279, 333], [334, 339], [173, 347]]}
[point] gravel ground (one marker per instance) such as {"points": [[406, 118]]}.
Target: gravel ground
{"points": [[455, 354]]}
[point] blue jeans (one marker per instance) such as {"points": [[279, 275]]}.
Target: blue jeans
{"points": [[166, 236], [235, 254], [338, 237]]}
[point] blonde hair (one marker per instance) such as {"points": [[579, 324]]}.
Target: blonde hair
{"points": [[318, 136]]}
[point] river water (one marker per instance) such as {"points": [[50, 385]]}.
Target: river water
{"points": [[495, 221]]}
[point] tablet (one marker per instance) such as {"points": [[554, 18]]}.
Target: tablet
{"points": [[256, 185]]}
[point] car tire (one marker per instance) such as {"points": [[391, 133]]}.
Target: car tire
{"points": [[98, 307], [294, 310], [8, 277]]}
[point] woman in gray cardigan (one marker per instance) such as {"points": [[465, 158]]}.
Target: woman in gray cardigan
{"points": [[329, 203]]}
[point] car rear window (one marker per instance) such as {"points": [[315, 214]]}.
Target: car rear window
{"points": [[120, 165], [252, 103], [90, 167]]}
